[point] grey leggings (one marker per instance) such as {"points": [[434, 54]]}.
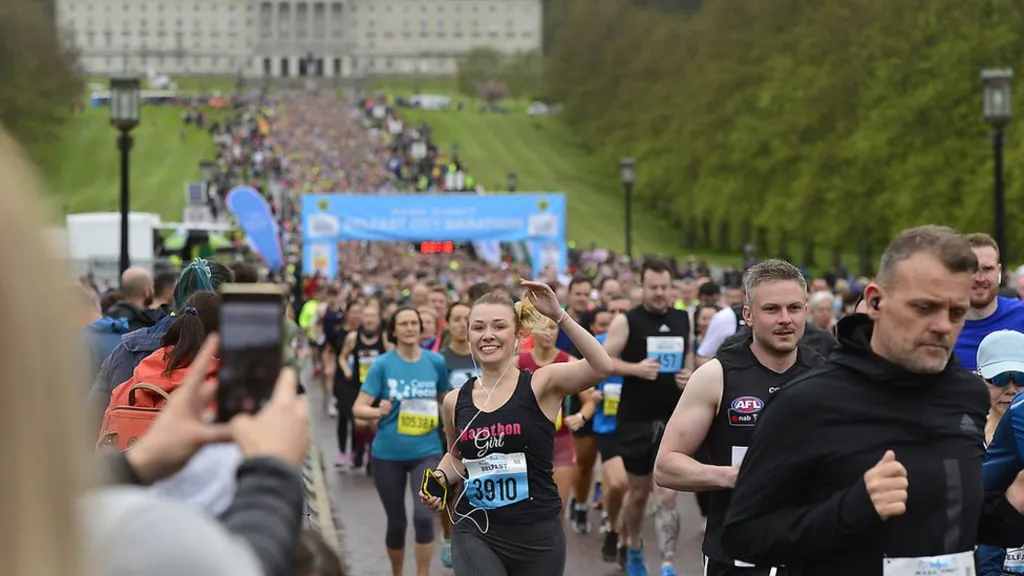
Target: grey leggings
{"points": [[390, 477], [528, 550]]}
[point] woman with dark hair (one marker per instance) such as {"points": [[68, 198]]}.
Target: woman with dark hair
{"points": [[409, 382]]}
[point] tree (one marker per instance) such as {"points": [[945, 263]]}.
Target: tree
{"points": [[479, 66], [492, 92], [37, 75]]}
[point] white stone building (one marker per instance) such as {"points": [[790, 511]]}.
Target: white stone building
{"points": [[292, 38]]}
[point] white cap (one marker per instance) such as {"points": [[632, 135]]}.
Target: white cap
{"points": [[1000, 352]]}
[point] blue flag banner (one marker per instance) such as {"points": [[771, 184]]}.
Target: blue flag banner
{"points": [[537, 218], [257, 221]]}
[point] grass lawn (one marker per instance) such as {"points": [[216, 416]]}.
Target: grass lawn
{"points": [[546, 157], [86, 173], [86, 176]]}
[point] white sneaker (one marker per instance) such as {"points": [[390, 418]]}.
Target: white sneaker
{"points": [[332, 411]]}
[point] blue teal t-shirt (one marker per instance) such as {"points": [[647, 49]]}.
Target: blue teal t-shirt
{"points": [[1009, 315], [606, 413], [409, 431]]}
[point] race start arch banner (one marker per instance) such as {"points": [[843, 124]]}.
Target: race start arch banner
{"points": [[537, 219]]}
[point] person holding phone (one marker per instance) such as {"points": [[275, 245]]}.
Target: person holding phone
{"points": [[501, 441], [409, 382]]}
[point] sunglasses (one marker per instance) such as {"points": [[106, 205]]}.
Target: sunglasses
{"points": [[1007, 377]]}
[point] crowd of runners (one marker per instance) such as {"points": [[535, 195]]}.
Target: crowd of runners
{"points": [[828, 425]]}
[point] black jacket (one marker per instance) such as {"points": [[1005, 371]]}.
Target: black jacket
{"points": [[137, 317], [800, 499]]}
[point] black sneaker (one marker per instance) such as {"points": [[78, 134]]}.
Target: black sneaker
{"points": [[621, 560], [610, 548], [357, 461], [580, 524]]}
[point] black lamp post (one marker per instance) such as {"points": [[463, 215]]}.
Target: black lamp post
{"points": [[997, 111], [124, 115], [512, 180], [627, 173], [455, 152]]}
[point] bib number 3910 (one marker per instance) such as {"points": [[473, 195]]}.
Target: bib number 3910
{"points": [[961, 564], [497, 480], [417, 417], [668, 351]]}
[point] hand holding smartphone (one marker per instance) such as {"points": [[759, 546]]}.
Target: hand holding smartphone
{"points": [[434, 493]]}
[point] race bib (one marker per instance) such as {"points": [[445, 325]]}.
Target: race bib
{"points": [[1014, 561], [612, 395], [668, 351], [417, 417], [961, 564], [364, 365], [497, 480]]}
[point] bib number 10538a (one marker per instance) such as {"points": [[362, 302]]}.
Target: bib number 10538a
{"points": [[497, 480]]}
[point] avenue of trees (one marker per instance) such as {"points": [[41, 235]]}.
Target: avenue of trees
{"points": [[38, 81], [795, 124]]}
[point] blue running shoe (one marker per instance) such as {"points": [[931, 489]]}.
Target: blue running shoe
{"points": [[446, 554], [635, 565], [668, 570]]}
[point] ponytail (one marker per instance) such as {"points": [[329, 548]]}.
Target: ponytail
{"points": [[198, 318]]}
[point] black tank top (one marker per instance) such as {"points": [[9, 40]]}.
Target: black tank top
{"points": [[664, 337], [746, 387], [508, 455], [364, 356]]}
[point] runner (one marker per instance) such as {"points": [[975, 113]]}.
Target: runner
{"points": [[459, 361], [543, 353], [409, 382], [345, 391], [723, 400], [655, 364], [613, 475], [506, 432], [363, 347]]}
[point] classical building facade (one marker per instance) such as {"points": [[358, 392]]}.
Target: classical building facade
{"points": [[292, 38]]}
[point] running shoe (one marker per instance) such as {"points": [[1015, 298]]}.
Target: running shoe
{"points": [[668, 570], [580, 523], [621, 561], [610, 548], [635, 565], [446, 553], [343, 461]]}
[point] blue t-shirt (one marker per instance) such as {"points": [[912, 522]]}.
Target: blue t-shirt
{"points": [[409, 431], [606, 413], [1009, 315]]}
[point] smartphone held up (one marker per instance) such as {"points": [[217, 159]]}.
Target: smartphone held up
{"points": [[251, 343]]}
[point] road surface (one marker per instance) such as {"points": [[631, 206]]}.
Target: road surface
{"points": [[361, 522]]}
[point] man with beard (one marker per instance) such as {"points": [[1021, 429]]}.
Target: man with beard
{"points": [[871, 465], [989, 312], [724, 399]]}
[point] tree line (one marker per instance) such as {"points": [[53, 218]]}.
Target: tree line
{"points": [[38, 76], [794, 124]]}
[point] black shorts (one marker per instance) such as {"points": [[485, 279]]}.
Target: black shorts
{"points": [[608, 446], [638, 443], [716, 568]]}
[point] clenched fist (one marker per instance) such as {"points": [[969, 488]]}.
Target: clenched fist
{"points": [[887, 486]]}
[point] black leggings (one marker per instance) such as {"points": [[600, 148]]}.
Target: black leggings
{"points": [[529, 550], [345, 393], [390, 478]]}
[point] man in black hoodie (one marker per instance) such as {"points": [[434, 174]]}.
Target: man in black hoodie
{"points": [[871, 464]]}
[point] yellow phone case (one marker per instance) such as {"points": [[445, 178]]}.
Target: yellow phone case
{"points": [[428, 474]]}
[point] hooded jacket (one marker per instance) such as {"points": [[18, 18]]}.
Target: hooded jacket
{"points": [[800, 499], [119, 366], [138, 318], [100, 338]]}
